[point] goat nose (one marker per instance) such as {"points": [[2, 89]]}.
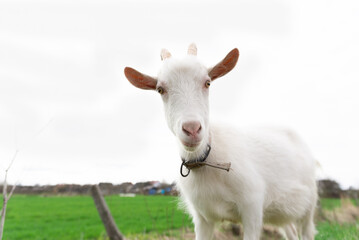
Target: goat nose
{"points": [[191, 128]]}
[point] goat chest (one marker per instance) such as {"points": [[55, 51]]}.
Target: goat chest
{"points": [[206, 192]]}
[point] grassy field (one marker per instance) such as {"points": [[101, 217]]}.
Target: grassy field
{"points": [[75, 217], [336, 231], [342, 222]]}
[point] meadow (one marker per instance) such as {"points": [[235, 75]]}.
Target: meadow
{"points": [[141, 217], [75, 217]]}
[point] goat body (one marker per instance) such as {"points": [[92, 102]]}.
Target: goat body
{"points": [[272, 174], [271, 180]]}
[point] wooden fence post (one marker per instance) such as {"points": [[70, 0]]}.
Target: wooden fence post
{"points": [[105, 214]]}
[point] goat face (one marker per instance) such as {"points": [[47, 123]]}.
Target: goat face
{"points": [[184, 85]]}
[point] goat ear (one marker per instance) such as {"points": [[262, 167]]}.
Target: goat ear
{"points": [[140, 80], [225, 66]]}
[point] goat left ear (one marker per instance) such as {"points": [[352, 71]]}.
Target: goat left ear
{"points": [[225, 66], [140, 80]]}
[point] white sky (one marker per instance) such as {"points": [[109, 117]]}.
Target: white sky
{"points": [[61, 66]]}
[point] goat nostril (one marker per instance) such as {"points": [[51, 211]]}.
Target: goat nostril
{"points": [[188, 133], [191, 128]]}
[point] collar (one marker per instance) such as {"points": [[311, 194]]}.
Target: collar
{"points": [[201, 161], [196, 162]]}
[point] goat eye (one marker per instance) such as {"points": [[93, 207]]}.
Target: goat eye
{"points": [[208, 83], [160, 90]]}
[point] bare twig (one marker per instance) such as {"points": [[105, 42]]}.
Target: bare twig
{"points": [[12, 160], [11, 192], [6, 196]]}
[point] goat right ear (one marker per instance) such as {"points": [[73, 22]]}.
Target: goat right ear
{"points": [[225, 66], [140, 80]]}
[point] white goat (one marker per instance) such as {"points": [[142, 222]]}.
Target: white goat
{"points": [[272, 174]]}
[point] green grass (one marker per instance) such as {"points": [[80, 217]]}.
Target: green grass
{"points": [[332, 203], [75, 217], [335, 231], [34, 217]]}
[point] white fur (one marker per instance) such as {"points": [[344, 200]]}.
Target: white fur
{"points": [[271, 180], [272, 177]]}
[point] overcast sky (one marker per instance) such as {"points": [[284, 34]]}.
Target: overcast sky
{"points": [[66, 105]]}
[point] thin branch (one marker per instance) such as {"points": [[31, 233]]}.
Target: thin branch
{"points": [[6, 196], [11, 192], [3, 210], [38, 132], [4, 189], [12, 160]]}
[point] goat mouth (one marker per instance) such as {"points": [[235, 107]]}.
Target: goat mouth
{"points": [[190, 144]]}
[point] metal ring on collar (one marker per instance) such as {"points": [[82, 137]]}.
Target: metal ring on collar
{"points": [[181, 170]]}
